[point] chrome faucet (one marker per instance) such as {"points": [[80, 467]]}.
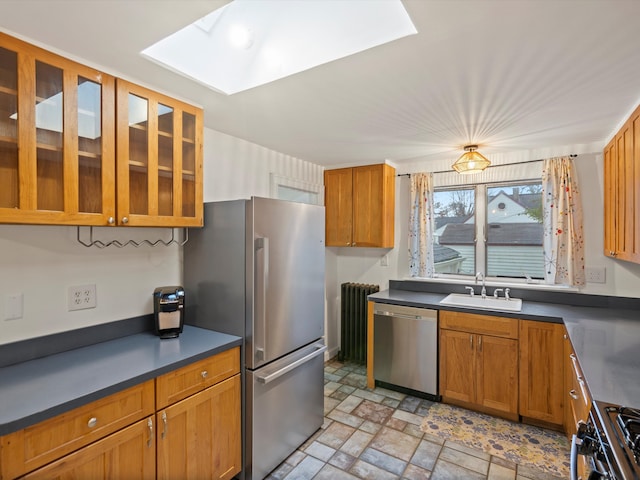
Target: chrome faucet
{"points": [[483, 292], [506, 293], [471, 292], [495, 292]]}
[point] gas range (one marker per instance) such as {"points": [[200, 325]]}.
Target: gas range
{"points": [[611, 441]]}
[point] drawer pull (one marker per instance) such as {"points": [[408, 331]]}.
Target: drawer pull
{"points": [[150, 425], [93, 421], [204, 374], [164, 426], [573, 394]]}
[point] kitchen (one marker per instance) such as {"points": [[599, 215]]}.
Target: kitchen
{"points": [[40, 262]]}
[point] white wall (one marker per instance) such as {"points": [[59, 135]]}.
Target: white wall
{"points": [[41, 262], [622, 278]]}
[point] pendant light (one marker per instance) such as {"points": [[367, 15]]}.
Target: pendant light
{"points": [[471, 161]]}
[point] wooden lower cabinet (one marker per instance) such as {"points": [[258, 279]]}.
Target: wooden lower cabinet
{"points": [[542, 373], [479, 372], [136, 435], [127, 454], [199, 437]]}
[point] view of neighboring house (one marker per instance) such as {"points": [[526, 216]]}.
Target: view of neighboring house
{"points": [[514, 238]]}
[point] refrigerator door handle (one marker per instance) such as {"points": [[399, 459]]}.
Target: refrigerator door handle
{"points": [[278, 373], [262, 243]]}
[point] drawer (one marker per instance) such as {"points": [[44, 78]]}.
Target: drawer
{"points": [[480, 324], [578, 394], [35, 446], [195, 377]]}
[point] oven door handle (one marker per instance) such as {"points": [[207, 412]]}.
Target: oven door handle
{"points": [[573, 467]]}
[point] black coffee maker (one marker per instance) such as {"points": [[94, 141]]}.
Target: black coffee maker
{"points": [[168, 310]]}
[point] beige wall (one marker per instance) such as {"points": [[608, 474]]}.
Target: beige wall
{"points": [[41, 262]]}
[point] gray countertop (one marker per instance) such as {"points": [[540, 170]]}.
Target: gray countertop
{"points": [[606, 340], [38, 389]]}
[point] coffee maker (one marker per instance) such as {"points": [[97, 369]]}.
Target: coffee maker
{"points": [[168, 310]]}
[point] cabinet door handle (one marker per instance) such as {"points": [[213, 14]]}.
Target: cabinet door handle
{"points": [[479, 343], [93, 421], [125, 220], [164, 426], [111, 220], [471, 341], [150, 426], [204, 374], [573, 394]]}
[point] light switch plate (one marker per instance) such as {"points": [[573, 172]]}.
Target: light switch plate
{"points": [[14, 305]]}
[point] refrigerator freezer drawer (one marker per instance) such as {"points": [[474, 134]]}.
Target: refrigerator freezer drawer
{"points": [[285, 406]]}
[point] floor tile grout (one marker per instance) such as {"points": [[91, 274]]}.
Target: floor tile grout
{"points": [[385, 441]]}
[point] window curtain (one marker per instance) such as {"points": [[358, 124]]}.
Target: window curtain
{"points": [[421, 222], [563, 240]]}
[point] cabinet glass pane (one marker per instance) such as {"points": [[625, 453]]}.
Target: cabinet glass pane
{"points": [[89, 146], [138, 154], [49, 117], [165, 160], [188, 165], [8, 131]]}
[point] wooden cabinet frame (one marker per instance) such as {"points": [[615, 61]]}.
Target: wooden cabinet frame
{"points": [[360, 206]]}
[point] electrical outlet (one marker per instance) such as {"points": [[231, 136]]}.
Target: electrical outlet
{"points": [[384, 261], [595, 274], [81, 297]]}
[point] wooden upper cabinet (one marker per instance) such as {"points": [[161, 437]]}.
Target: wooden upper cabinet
{"points": [[57, 139], [159, 159], [622, 192], [338, 202], [360, 206]]}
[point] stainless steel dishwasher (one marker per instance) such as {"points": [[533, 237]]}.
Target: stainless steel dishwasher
{"points": [[405, 349]]}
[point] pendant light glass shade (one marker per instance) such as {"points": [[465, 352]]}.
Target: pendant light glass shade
{"points": [[471, 161]]}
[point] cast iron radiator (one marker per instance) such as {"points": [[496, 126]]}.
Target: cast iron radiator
{"points": [[353, 315]]}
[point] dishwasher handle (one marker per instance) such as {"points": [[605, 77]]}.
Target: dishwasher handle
{"points": [[401, 311], [401, 315]]}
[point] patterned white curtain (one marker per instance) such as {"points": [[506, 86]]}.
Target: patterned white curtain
{"points": [[563, 240], [421, 222]]}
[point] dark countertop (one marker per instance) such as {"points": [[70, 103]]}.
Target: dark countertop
{"points": [[39, 389], [606, 340]]}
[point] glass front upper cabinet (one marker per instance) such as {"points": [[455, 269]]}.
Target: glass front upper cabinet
{"points": [[159, 151], [57, 139]]}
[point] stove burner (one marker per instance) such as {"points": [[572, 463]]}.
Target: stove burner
{"points": [[629, 422]]}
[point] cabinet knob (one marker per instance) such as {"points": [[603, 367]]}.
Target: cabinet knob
{"points": [[93, 421], [111, 220], [573, 394], [125, 220], [204, 374]]}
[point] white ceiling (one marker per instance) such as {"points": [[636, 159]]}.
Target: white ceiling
{"points": [[510, 75]]}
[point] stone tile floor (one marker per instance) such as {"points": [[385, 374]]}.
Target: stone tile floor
{"points": [[375, 434]]}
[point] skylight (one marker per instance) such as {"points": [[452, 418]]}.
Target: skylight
{"points": [[248, 43]]}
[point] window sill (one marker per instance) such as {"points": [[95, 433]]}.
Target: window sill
{"points": [[495, 282]]}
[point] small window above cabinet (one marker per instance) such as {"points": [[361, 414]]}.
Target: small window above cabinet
{"points": [[159, 152], [57, 139], [359, 206]]}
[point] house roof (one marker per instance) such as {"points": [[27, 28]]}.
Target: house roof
{"points": [[444, 254], [497, 234]]}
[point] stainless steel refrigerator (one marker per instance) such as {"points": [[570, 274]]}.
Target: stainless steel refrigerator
{"points": [[256, 270]]}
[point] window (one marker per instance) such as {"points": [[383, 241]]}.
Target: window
{"points": [[294, 190], [491, 228]]}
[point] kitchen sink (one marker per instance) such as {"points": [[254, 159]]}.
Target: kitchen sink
{"points": [[488, 303]]}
